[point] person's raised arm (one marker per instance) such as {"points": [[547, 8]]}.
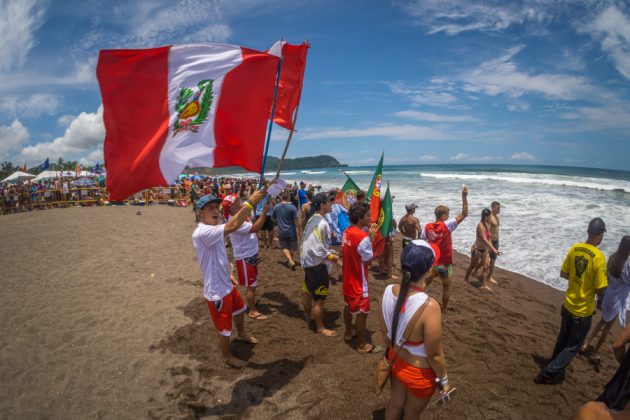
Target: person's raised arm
{"points": [[461, 216], [619, 345], [239, 218], [260, 222]]}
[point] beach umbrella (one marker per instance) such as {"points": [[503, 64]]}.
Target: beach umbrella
{"points": [[18, 176]]}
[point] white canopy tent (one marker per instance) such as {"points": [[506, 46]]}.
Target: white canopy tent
{"points": [[46, 175], [18, 176]]}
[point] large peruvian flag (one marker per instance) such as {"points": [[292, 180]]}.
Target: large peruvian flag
{"points": [[168, 107], [291, 80]]}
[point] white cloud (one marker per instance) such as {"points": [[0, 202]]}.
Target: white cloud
{"points": [[92, 158], [428, 158], [29, 106], [455, 16], [427, 116], [460, 157], [65, 120], [19, 20], [84, 134], [502, 76], [523, 156], [612, 29], [390, 131], [437, 93], [12, 138]]}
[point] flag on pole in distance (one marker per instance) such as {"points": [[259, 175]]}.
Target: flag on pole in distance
{"points": [[44, 165], [348, 194], [168, 107], [96, 168], [374, 193], [77, 170], [24, 168], [291, 79]]}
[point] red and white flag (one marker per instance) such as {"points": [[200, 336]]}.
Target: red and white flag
{"points": [[291, 79], [168, 107]]}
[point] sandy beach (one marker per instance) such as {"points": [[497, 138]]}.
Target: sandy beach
{"points": [[103, 317]]}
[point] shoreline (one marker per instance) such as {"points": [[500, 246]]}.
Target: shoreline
{"points": [[89, 332]]}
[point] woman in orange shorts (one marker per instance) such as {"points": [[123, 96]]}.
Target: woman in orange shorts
{"points": [[418, 363]]}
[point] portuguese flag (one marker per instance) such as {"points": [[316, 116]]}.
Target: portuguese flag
{"points": [[374, 193], [386, 215], [348, 194]]}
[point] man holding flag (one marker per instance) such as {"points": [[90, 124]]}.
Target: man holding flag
{"points": [[223, 299]]}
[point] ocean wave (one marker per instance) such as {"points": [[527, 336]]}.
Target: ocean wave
{"points": [[559, 180], [357, 172], [287, 173], [313, 172]]}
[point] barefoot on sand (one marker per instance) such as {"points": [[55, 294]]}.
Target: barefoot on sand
{"points": [[257, 315], [249, 339], [235, 363]]}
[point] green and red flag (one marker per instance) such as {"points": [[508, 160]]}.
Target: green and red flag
{"points": [[374, 193], [386, 215], [385, 220], [348, 194]]}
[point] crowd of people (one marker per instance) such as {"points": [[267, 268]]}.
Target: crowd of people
{"points": [[337, 244]]}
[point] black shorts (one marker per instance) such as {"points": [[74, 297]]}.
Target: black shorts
{"points": [[316, 281], [288, 243], [268, 225], [495, 244]]}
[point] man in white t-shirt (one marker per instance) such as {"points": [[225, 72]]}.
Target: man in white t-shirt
{"points": [[224, 301], [317, 258], [245, 250]]}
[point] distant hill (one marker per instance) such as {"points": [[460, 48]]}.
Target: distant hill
{"points": [[309, 162]]}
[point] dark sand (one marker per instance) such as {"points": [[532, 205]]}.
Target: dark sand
{"points": [[88, 332]]}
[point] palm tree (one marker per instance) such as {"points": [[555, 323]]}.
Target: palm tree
{"points": [[6, 169]]}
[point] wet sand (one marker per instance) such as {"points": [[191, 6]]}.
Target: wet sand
{"points": [[103, 317]]}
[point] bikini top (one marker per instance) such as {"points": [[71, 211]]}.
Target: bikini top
{"points": [[412, 304]]}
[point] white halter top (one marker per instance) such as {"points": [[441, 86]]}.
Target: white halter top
{"points": [[412, 304]]}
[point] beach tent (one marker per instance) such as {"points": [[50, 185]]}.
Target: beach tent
{"points": [[18, 176], [46, 175]]}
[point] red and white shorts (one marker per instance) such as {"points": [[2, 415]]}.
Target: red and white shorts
{"points": [[356, 305], [247, 273], [223, 310]]}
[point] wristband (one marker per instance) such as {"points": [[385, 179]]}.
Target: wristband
{"points": [[248, 204], [442, 381]]}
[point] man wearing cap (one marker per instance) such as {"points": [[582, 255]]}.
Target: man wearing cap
{"points": [[245, 250], [409, 225], [585, 269], [224, 301], [317, 258]]}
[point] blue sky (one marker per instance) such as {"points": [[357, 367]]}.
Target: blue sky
{"points": [[439, 81]]}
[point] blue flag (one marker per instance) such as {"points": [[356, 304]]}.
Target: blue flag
{"points": [[44, 165], [96, 168]]}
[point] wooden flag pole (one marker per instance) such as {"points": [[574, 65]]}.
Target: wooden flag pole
{"points": [[286, 146]]}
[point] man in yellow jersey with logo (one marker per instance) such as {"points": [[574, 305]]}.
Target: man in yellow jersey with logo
{"points": [[585, 269]]}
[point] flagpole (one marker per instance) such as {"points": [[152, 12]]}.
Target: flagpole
{"points": [[286, 146], [273, 111]]}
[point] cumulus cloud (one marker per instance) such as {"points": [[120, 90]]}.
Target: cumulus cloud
{"points": [[29, 106], [83, 136], [12, 138], [523, 156], [19, 20], [428, 158]]}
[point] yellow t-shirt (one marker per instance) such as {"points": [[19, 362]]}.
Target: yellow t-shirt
{"points": [[586, 266]]}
